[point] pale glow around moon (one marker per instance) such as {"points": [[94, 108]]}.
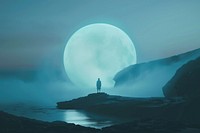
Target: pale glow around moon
{"points": [[97, 51]]}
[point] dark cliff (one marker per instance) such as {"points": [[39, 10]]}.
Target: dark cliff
{"points": [[128, 76], [186, 81]]}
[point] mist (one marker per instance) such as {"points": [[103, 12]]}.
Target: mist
{"points": [[151, 77], [49, 84], [46, 88]]}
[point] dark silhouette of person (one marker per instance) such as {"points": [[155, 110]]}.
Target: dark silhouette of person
{"points": [[98, 84]]}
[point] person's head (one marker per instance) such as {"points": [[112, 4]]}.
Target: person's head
{"points": [[98, 78]]}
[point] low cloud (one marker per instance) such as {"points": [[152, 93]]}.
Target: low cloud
{"points": [[47, 87]]}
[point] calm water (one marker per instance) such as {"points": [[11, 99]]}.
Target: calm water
{"points": [[52, 114]]}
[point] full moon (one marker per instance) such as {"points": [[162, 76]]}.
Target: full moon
{"points": [[97, 51]]}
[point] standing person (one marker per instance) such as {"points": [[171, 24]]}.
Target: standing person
{"points": [[98, 84]]}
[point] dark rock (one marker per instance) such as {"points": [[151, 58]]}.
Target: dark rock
{"points": [[186, 82], [90, 100], [129, 109], [83, 102], [147, 126], [122, 107]]}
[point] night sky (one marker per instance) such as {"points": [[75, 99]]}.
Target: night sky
{"points": [[34, 33]]}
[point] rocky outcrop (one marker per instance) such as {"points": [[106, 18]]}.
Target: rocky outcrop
{"points": [[123, 107], [186, 82], [85, 102], [129, 109]]}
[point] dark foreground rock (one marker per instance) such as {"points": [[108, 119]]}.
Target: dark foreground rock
{"points": [[186, 82], [14, 124], [153, 126]]}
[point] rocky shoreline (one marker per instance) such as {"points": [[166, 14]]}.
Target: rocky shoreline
{"points": [[15, 124]]}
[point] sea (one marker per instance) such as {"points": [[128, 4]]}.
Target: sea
{"points": [[51, 113]]}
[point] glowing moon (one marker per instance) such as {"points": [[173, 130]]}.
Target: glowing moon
{"points": [[97, 51]]}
